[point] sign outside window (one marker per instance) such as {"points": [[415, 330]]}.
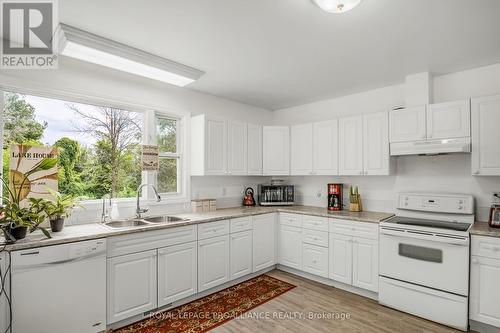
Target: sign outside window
{"points": [[150, 159], [33, 171]]}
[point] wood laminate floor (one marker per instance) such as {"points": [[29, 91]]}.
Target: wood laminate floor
{"points": [[290, 313]]}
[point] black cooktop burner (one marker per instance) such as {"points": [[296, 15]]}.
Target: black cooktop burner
{"points": [[458, 226]]}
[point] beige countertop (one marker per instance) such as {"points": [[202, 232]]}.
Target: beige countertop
{"points": [[483, 229], [96, 230]]}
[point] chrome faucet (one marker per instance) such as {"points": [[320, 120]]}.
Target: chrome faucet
{"points": [[140, 210], [105, 215]]}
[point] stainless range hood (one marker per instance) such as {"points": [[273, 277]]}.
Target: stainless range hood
{"points": [[431, 147]]}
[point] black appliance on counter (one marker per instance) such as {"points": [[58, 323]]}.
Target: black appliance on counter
{"points": [[276, 195]]}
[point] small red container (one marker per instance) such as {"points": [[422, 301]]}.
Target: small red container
{"points": [[334, 197]]}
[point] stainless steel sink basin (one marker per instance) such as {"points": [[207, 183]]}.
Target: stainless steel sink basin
{"points": [[125, 223], [163, 219]]}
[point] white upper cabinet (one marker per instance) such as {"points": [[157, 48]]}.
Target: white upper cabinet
{"points": [[216, 160], [408, 124], [325, 148], [376, 158], [208, 146], [486, 136], [301, 149], [448, 120], [254, 149], [351, 145], [236, 148], [222, 147], [276, 150]]}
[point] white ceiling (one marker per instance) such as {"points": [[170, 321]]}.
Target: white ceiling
{"points": [[280, 53]]}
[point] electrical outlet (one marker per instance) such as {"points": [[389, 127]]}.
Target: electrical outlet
{"points": [[318, 194], [224, 191]]}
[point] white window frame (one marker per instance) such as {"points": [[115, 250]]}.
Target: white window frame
{"points": [[149, 138]]}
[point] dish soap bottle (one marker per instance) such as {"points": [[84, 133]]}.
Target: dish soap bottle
{"points": [[115, 214]]}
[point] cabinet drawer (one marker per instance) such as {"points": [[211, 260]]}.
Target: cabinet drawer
{"points": [[315, 223], [213, 229], [241, 224], [142, 241], [484, 246], [315, 237], [293, 220], [354, 228], [315, 260]]}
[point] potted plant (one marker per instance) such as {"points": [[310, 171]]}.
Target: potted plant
{"points": [[58, 209], [17, 219]]}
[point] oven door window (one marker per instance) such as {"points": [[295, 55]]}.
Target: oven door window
{"points": [[420, 253]]}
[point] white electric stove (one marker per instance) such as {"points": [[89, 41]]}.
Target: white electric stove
{"points": [[424, 257]]}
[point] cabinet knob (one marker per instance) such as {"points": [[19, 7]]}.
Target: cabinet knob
{"points": [[476, 172], [474, 261], [361, 172], [314, 261]]}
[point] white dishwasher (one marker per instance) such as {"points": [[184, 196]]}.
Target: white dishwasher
{"points": [[60, 288]]}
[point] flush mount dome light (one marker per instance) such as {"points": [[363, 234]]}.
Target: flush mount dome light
{"points": [[337, 6], [82, 45]]}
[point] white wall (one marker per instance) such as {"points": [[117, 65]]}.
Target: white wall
{"points": [[448, 173], [80, 80]]}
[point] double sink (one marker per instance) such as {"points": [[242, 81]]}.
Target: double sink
{"points": [[144, 221]]}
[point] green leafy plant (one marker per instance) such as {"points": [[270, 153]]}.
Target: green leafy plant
{"points": [[29, 215], [61, 207]]}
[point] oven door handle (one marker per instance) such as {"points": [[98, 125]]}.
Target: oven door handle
{"points": [[462, 241]]}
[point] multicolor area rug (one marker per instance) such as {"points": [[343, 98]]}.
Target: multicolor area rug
{"points": [[213, 310]]}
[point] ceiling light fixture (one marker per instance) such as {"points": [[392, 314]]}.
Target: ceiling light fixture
{"points": [[337, 6], [82, 45]]}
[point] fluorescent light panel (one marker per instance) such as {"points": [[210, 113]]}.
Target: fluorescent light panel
{"points": [[91, 48]]}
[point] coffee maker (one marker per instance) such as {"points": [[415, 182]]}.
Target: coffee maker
{"points": [[334, 197], [494, 220]]}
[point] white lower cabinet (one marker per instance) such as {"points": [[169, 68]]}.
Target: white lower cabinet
{"points": [[240, 254], [365, 263], [213, 262], [315, 259], [290, 241], [177, 272], [131, 285], [484, 279], [340, 268], [264, 241]]}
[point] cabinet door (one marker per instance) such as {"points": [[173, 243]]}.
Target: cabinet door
{"points": [[351, 146], [326, 148], [241, 254], [213, 262], [289, 243], [365, 263], [315, 259], [408, 124], [177, 272], [254, 149], [486, 136], [216, 149], [236, 148], [264, 241], [131, 285], [276, 150], [484, 291], [301, 149], [340, 266], [376, 144], [448, 120]]}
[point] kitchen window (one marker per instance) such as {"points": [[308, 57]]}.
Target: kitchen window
{"points": [[167, 138], [99, 146]]}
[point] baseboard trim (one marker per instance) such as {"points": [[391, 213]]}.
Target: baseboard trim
{"points": [[482, 327], [328, 282]]}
